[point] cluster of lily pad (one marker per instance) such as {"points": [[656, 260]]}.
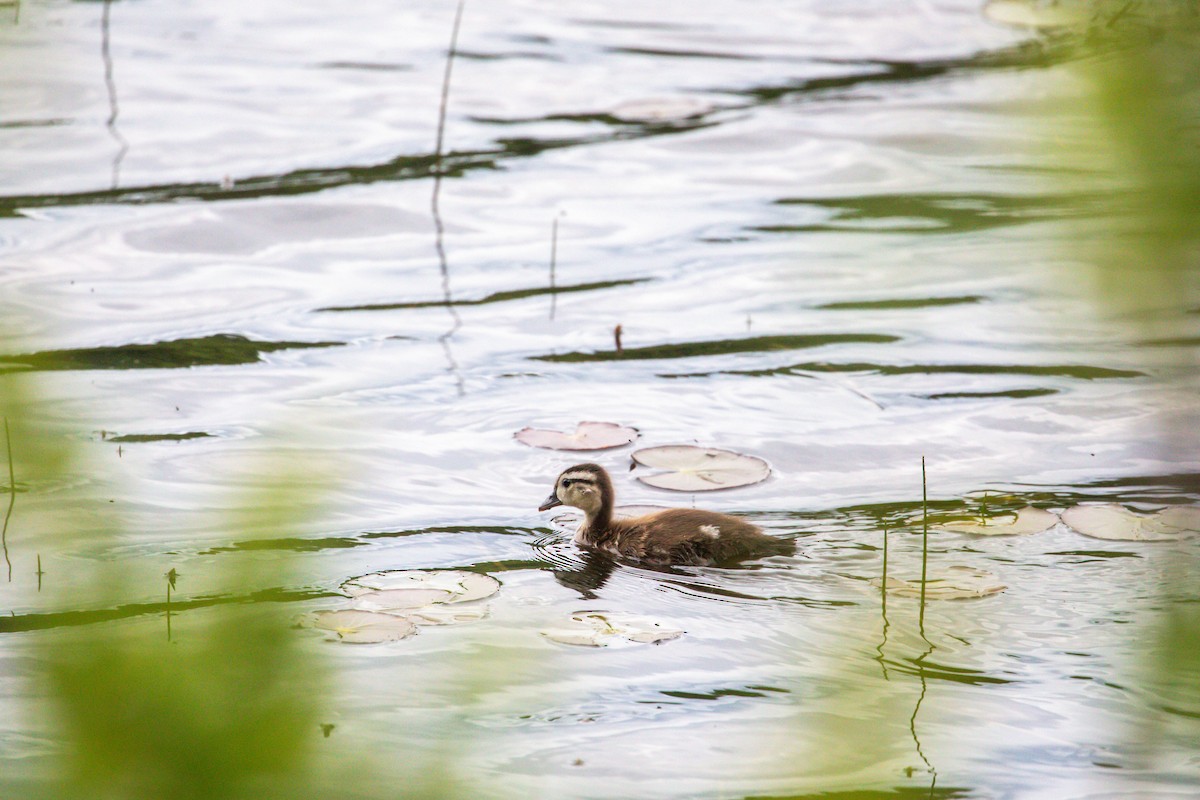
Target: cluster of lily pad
{"points": [[391, 605], [684, 467], [1098, 520]]}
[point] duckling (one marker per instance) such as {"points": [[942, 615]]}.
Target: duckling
{"points": [[672, 536]]}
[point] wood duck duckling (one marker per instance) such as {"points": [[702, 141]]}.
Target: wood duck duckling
{"points": [[671, 536]]}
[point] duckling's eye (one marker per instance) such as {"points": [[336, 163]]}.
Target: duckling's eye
{"points": [[566, 482]]}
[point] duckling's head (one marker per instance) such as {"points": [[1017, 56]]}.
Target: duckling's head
{"points": [[584, 486]]}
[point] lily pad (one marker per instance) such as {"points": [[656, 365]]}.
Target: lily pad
{"points": [[587, 436], [699, 469], [1117, 523], [953, 583], [404, 603], [360, 627], [597, 629], [392, 600], [414, 588], [1181, 518], [1023, 521]]}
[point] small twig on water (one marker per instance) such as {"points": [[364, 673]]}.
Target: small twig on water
{"points": [[617, 338]]}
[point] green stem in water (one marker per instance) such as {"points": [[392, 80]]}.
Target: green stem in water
{"points": [[924, 542]]}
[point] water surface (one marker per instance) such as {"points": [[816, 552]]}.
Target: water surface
{"points": [[828, 234]]}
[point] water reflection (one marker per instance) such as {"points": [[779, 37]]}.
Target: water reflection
{"points": [[222, 349], [70, 619], [439, 228], [935, 213], [594, 571], [110, 86], [754, 344]]}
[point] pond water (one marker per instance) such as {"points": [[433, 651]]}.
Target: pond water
{"points": [[831, 237]]}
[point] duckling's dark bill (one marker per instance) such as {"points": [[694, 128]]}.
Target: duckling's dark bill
{"points": [[550, 503]]}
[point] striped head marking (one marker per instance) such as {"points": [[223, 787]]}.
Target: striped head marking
{"points": [[580, 486]]}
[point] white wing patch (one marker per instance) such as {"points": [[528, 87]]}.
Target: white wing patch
{"points": [[712, 531]]}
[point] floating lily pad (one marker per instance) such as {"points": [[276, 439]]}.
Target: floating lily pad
{"points": [[596, 629], [953, 583], [1115, 522], [388, 606], [407, 603], [699, 469], [414, 588], [1181, 518], [360, 627], [1023, 521], [391, 600], [587, 436]]}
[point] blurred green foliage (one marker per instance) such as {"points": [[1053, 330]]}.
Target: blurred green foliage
{"points": [[227, 711], [1141, 65], [227, 707]]}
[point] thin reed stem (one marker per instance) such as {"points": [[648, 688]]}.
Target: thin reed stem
{"points": [[924, 542], [12, 499]]}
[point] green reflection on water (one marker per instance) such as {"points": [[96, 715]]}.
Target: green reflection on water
{"points": [[495, 297], [754, 344], [222, 349]]}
